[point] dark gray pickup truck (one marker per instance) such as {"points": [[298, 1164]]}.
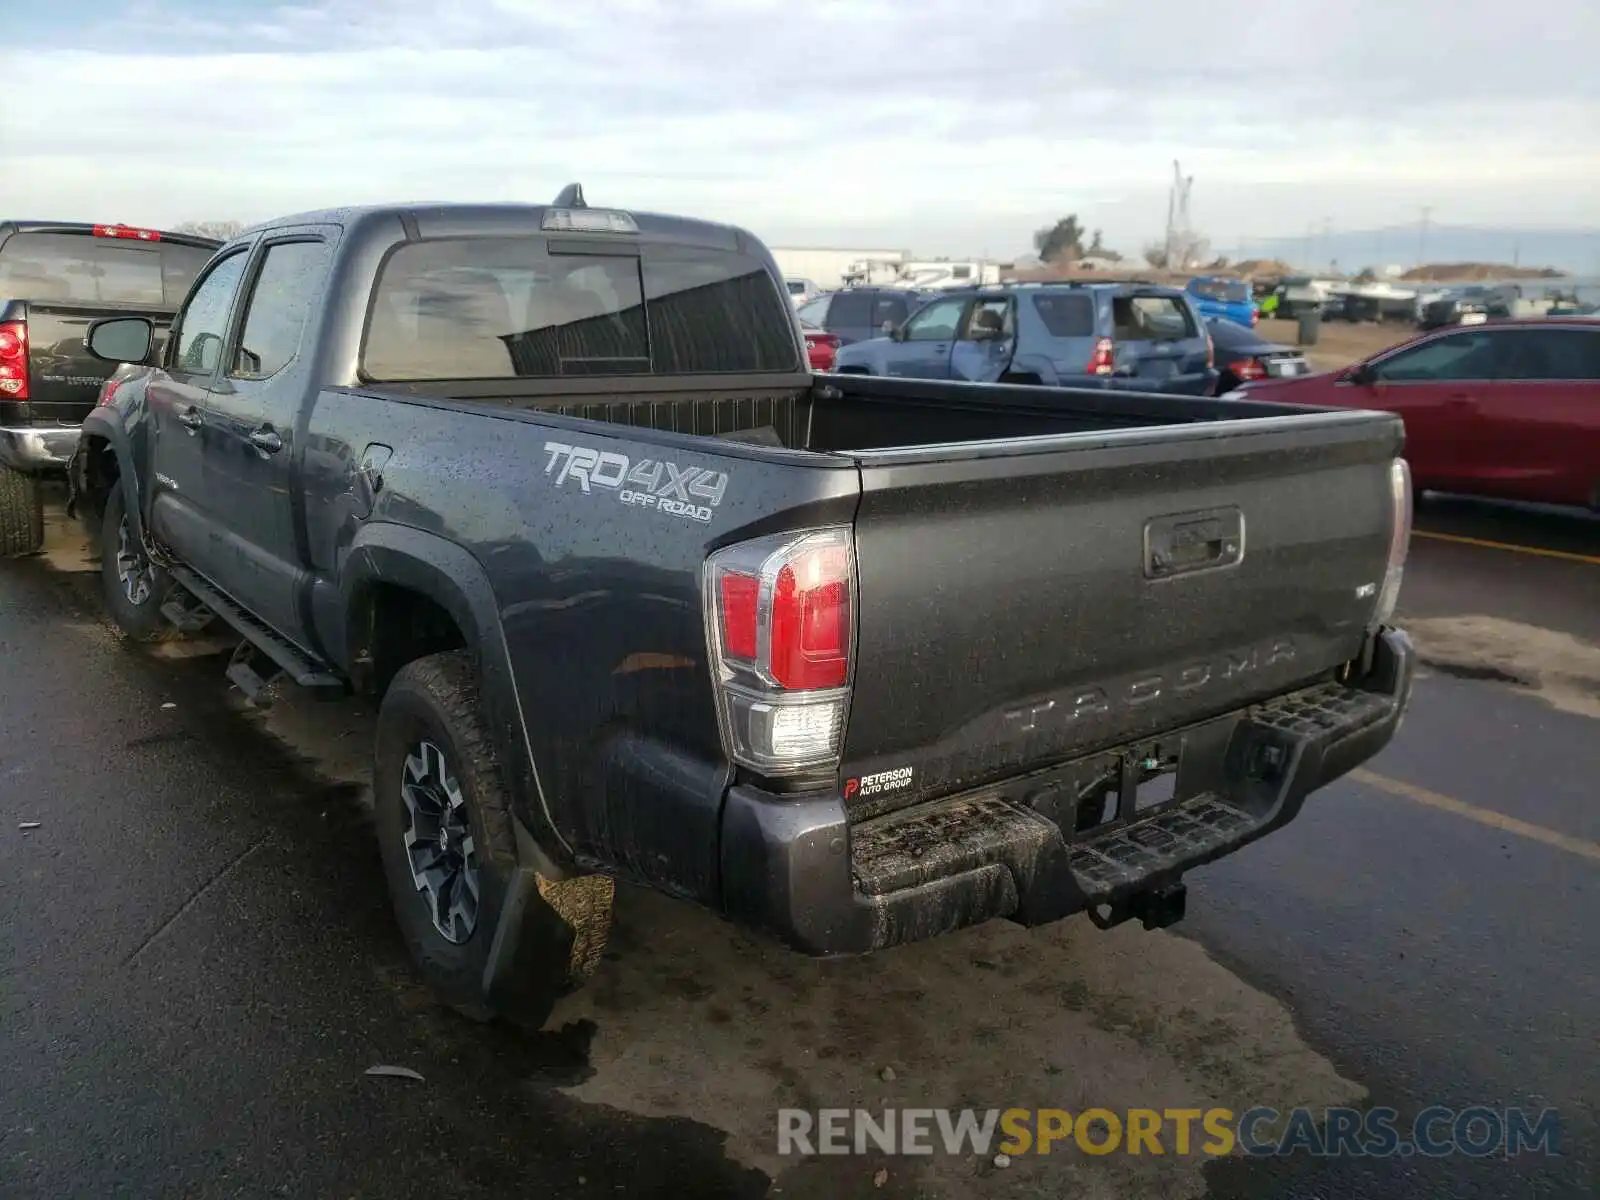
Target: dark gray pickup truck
{"points": [[851, 661]]}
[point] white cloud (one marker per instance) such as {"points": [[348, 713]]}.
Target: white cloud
{"points": [[941, 125]]}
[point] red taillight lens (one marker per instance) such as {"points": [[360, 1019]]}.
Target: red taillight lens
{"points": [[126, 231], [108, 392], [14, 360], [780, 613], [1247, 368], [811, 621], [1104, 360], [740, 629]]}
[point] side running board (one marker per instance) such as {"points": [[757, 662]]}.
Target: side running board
{"points": [[294, 662]]}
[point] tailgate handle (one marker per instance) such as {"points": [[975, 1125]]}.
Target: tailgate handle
{"points": [[1183, 543]]}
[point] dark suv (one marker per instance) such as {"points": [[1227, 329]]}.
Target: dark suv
{"points": [[857, 314], [1138, 336]]}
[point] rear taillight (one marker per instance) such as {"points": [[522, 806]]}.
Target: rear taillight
{"points": [[108, 391], [1247, 368], [1104, 360], [13, 360], [1399, 541], [780, 616], [126, 231]]}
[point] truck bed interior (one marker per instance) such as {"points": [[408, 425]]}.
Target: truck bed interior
{"points": [[841, 413]]}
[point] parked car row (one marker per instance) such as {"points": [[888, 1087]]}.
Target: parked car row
{"points": [[1112, 335], [637, 595]]}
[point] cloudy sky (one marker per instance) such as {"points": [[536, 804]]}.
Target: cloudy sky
{"points": [[945, 127]]}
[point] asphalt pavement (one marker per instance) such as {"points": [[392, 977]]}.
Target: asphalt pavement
{"points": [[198, 964]]}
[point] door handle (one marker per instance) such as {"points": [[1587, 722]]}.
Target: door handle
{"points": [[1464, 400], [266, 441], [191, 419]]}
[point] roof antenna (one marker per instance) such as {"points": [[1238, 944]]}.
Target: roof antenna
{"points": [[571, 196]]}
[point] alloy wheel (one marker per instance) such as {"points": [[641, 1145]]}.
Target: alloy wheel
{"points": [[439, 842]]}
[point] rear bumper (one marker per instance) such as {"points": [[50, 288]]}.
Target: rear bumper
{"points": [[798, 869], [37, 448]]}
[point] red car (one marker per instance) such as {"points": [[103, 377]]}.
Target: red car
{"points": [[1508, 409], [821, 346]]}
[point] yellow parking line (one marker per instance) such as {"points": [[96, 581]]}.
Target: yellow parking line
{"points": [[1569, 555], [1582, 847]]}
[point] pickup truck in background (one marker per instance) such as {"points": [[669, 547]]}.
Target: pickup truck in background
{"points": [[851, 661], [1229, 299], [55, 278]]}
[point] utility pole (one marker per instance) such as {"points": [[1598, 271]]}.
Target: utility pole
{"points": [[1178, 240], [1422, 235], [1172, 208]]}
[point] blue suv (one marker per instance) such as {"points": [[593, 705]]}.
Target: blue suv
{"points": [[1134, 336]]}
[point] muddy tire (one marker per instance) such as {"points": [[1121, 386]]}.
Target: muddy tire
{"points": [[449, 853], [135, 588], [21, 514]]}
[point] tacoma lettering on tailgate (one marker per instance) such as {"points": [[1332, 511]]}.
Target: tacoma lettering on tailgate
{"points": [[1185, 681], [690, 493]]}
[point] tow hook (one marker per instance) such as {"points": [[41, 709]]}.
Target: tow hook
{"points": [[1156, 908]]}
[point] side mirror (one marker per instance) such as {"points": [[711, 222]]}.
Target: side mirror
{"points": [[888, 328], [120, 339], [1362, 375]]}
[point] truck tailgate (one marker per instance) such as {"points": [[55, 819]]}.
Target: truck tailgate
{"points": [[65, 379], [1023, 602]]}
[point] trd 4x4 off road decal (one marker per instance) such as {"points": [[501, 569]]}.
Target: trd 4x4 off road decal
{"points": [[688, 492]]}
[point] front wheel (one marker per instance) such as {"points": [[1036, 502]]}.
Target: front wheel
{"points": [[135, 588], [21, 514], [445, 834]]}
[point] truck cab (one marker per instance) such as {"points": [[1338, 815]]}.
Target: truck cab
{"points": [[1230, 299]]}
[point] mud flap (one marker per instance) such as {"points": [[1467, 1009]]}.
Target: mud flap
{"points": [[548, 940]]}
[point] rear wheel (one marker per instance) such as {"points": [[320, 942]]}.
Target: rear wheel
{"points": [[21, 514], [135, 588], [445, 834]]}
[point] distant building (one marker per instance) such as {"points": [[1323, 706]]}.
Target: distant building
{"points": [[827, 266]]}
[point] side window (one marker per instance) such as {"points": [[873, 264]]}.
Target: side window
{"points": [[889, 308], [816, 311], [1066, 314], [849, 310], [1460, 356], [1551, 354], [937, 322], [989, 319], [289, 280], [204, 321]]}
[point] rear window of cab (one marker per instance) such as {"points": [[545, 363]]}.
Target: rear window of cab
{"points": [[509, 308]]}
